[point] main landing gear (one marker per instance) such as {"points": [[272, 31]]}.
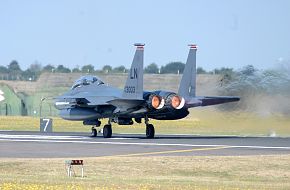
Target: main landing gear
{"points": [[107, 130], [150, 131]]}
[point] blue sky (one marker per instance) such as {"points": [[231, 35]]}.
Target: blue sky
{"points": [[69, 32]]}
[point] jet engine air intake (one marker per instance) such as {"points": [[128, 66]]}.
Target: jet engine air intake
{"points": [[155, 102]]}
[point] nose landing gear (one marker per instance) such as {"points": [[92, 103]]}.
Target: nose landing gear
{"points": [[94, 132], [107, 130]]}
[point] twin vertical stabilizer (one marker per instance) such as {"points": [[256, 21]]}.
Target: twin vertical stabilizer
{"points": [[187, 87], [134, 85]]}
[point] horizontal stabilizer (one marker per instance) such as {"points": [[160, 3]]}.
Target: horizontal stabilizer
{"points": [[209, 100], [214, 100]]}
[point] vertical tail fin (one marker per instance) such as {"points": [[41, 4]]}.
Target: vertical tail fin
{"points": [[134, 85], [187, 84]]}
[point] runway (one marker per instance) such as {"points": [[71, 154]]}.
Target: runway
{"points": [[74, 145]]}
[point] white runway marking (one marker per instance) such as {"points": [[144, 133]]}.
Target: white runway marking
{"points": [[41, 137], [79, 140], [4, 136]]}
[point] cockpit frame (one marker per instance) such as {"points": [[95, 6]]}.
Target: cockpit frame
{"points": [[87, 80]]}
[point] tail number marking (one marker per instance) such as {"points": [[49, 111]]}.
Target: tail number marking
{"points": [[130, 89]]}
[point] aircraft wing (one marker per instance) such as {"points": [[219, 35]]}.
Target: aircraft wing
{"points": [[209, 100], [69, 101], [124, 105]]}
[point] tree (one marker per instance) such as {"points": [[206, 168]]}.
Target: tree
{"points": [[33, 72], [62, 69], [200, 70], [14, 67], [120, 69], [14, 70], [48, 68], [28, 75], [173, 67], [223, 71], [107, 69], [88, 69], [3, 73], [248, 70], [3, 69], [35, 67], [76, 70], [152, 68]]}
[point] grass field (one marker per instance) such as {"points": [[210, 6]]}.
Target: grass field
{"points": [[247, 172], [200, 121]]}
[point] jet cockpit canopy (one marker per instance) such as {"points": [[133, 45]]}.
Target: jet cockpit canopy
{"points": [[87, 80]]}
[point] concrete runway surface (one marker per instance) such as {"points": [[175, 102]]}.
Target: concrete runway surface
{"points": [[20, 144]]}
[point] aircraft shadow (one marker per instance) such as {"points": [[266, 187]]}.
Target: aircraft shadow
{"points": [[173, 137]]}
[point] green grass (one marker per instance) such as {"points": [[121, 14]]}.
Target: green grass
{"points": [[247, 172], [200, 121]]}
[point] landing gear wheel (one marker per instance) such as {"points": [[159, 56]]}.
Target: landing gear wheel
{"points": [[150, 131], [94, 132], [107, 131]]}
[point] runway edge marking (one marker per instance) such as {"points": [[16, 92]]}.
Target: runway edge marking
{"points": [[146, 144]]}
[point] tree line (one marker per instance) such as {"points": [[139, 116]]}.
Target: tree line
{"points": [[14, 72]]}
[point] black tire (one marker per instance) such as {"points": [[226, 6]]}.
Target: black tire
{"points": [[107, 131], [94, 132], [150, 131]]}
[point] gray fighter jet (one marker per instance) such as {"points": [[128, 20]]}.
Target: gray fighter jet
{"points": [[90, 99]]}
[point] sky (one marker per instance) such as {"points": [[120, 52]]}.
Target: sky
{"points": [[80, 32]]}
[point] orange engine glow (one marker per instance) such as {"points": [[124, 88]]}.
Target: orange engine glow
{"points": [[155, 102], [175, 101]]}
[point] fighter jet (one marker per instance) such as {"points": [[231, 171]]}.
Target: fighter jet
{"points": [[90, 99]]}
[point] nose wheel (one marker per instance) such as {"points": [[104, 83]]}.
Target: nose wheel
{"points": [[107, 130], [94, 132]]}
